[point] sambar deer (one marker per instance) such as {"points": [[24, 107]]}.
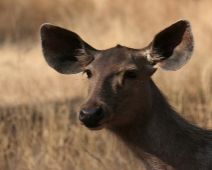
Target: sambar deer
{"points": [[124, 99]]}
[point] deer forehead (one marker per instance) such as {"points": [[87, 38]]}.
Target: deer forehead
{"points": [[117, 59]]}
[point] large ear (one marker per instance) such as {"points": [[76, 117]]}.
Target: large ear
{"points": [[64, 50], [172, 47]]}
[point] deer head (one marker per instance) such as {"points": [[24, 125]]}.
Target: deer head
{"points": [[120, 77]]}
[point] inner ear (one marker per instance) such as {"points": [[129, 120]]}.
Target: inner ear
{"points": [[172, 47], [64, 50]]}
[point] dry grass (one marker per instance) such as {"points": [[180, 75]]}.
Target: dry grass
{"points": [[38, 127]]}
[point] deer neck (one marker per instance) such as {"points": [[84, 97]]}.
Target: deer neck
{"points": [[165, 140]]}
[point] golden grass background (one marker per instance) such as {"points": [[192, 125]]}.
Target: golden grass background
{"points": [[38, 106]]}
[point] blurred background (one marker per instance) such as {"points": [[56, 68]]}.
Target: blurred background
{"points": [[38, 106]]}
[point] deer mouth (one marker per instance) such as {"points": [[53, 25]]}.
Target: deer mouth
{"points": [[98, 127], [93, 126]]}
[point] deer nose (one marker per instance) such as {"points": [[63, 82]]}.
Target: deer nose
{"points": [[91, 117]]}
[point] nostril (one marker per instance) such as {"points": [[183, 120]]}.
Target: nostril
{"points": [[98, 111], [83, 114], [91, 116]]}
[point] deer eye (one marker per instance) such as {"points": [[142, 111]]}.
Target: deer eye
{"points": [[131, 73], [88, 72]]}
